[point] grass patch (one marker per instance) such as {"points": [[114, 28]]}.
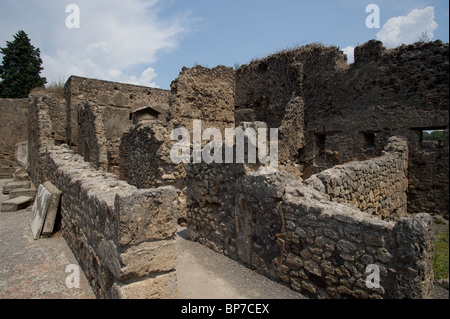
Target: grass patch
{"points": [[56, 88], [440, 260]]}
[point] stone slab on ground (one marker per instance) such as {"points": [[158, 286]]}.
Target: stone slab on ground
{"points": [[52, 209], [21, 177], [31, 192], [39, 211], [15, 204], [6, 175], [7, 170], [8, 187]]}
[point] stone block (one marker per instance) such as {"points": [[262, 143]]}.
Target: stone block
{"points": [[6, 176], [39, 211], [22, 154], [30, 192], [7, 170], [15, 204], [46, 203], [8, 187], [148, 258], [52, 209], [146, 215], [159, 287]]}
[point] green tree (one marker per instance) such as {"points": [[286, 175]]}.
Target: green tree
{"points": [[21, 67]]}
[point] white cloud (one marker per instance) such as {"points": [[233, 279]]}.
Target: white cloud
{"points": [[350, 52], [116, 39], [408, 29]]}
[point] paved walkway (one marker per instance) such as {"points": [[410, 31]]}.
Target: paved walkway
{"points": [[36, 269], [205, 274]]}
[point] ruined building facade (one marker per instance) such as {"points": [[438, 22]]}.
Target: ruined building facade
{"points": [[356, 183]]}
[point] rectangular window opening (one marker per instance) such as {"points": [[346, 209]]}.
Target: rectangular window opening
{"points": [[432, 138], [369, 140], [321, 140]]}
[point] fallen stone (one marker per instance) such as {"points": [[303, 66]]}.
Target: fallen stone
{"points": [[8, 187], [39, 211], [52, 209], [15, 204], [30, 192]]}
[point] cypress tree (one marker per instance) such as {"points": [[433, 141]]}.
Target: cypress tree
{"points": [[21, 68]]}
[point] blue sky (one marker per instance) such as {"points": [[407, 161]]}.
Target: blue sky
{"points": [[147, 42]]}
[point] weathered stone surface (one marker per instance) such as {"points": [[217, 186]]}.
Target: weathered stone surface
{"points": [[93, 225], [16, 204], [15, 185], [13, 130], [7, 170], [318, 236], [6, 176], [146, 215], [385, 176], [22, 153], [39, 211], [160, 287], [148, 258], [103, 131], [52, 208], [327, 243], [30, 192]]}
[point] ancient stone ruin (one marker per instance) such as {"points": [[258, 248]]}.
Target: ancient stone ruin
{"points": [[356, 184]]}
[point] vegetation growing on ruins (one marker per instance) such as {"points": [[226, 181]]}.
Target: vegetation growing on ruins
{"points": [[433, 136], [441, 256]]}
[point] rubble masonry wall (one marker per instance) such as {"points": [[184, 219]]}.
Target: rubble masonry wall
{"points": [[122, 237], [294, 234]]}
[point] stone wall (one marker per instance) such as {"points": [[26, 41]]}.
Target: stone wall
{"points": [[273, 90], [40, 128], [203, 94], [377, 186], [330, 113], [113, 103], [123, 238], [111, 95], [295, 234], [92, 140], [13, 128], [149, 145], [402, 91], [197, 94], [429, 184]]}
